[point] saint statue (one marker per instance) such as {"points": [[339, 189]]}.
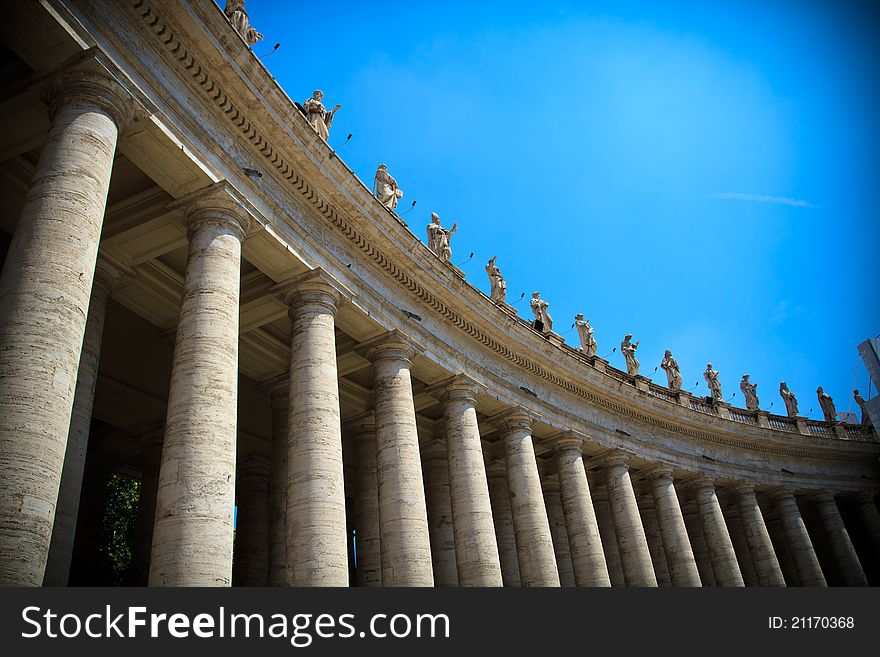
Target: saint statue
{"points": [[750, 391], [673, 374], [539, 308], [238, 17], [713, 382], [499, 286], [319, 118], [628, 349], [385, 188], [827, 405], [788, 398], [866, 419], [585, 333], [438, 238]]}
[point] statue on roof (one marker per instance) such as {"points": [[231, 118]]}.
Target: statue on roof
{"points": [[585, 333], [628, 349], [713, 382], [385, 188], [673, 373], [238, 17], [438, 238], [319, 118], [499, 286], [543, 321], [788, 398], [750, 392], [827, 405], [866, 420]]}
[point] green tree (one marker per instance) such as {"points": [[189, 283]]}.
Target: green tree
{"points": [[117, 531]]}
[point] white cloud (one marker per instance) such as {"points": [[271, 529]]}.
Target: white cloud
{"points": [[762, 198]]}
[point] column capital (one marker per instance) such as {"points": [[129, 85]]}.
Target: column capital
{"points": [[742, 488], [655, 471], [110, 272], [218, 204], [698, 481], [361, 427], [91, 83], [514, 419], [568, 443], [863, 497], [277, 388], [821, 496], [392, 345], [612, 458], [315, 286], [780, 493], [459, 387], [151, 437]]}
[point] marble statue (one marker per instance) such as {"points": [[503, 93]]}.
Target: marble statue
{"points": [[539, 308], [750, 392], [628, 349], [499, 286], [713, 382], [385, 188], [827, 405], [866, 419], [585, 332], [788, 398], [438, 238], [673, 373], [240, 21], [319, 118]]}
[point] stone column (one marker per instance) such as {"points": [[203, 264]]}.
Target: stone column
{"points": [[676, 543], [317, 550], [151, 458], [403, 516], [435, 466], [606, 529], [192, 535], [799, 544], [250, 565], [632, 544], [45, 289], [841, 545], [496, 473], [476, 550], [558, 532], [585, 542], [724, 563], [648, 513], [278, 391], [691, 513], [366, 502], [534, 543], [107, 274], [870, 519], [761, 548], [740, 546]]}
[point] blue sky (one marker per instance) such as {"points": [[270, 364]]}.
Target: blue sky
{"points": [[702, 175]]}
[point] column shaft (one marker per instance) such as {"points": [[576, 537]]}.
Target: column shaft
{"points": [[585, 542], [871, 520], [648, 514], [761, 548], [841, 545], [193, 532], [724, 563], [691, 513], [799, 544], [606, 530], [151, 458], [366, 506], [250, 566], [558, 532], [499, 494], [279, 398], [740, 546], [435, 467], [676, 543], [44, 299], [635, 556]]}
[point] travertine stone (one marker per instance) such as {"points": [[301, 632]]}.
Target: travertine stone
{"points": [[798, 539], [317, 550], [496, 474], [278, 391], [713, 383], [534, 543], [780, 545], [676, 543], [558, 532], [724, 563], [435, 468], [318, 116], [403, 517], [826, 403], [648, 514], [193, 533], [691, 513], [107, 274], [44, 299], [585, 542], [841, 545], [870, 519], [631, 542], [250, 565], [476, 550], [740, 545], [151, 459], [758, 538], [599, 489], [366, 502]]}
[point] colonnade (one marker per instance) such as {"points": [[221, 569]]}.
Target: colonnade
{"points": [[467, 509]]}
